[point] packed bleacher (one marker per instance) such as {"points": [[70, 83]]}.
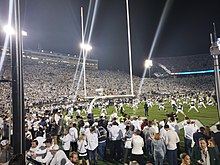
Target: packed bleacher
{"points": [[43, 82], [186, 63]]}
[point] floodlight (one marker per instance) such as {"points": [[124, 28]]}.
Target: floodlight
{"points": [[148, 63], [24, 33], [86, 47], [8, 30]]}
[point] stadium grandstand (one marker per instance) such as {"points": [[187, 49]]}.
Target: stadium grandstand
{"points": [[43, 56], [54, 74], [165, 66]]}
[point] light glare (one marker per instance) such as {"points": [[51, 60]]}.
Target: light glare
{"points": [[8, 30], [148, 63], [86, 47], [24, 33]]}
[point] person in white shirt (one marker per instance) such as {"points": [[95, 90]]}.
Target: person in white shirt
{"points": [[137, 143], [35, 126], [47, 157], [193, 106], [155, 126], [78, 113], [201, 103], [189, 130], [82, 149], [40, 139], [57, 117], [66, 139], [149, 132], [34, 148], [161, 107], [1, 122], [92, 139], [74, 134], [103, 112], [162, 132], [171, 140], [128, 136], [59, 157], [113, 115], [180, 109], [173, 103], [140, 121], [136, 123], [34, 152], [150, 103], [115, 137]]}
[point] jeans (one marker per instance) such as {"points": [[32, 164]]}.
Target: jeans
{"points": [[115, 149], [74, 146], [188, 143], [92, 156], [138, 158], [67, 152], [172, 157], [146, 112], [101, 150], [158, 161], [148, 149], [127, 155]]}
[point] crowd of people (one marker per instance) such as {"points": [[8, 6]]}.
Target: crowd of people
{"points": [[186, 63], [57, 134], [59, 130], [52, 82]]}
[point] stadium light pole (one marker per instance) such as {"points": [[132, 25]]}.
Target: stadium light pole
{"points": [[17, 82], [10, 32], [215, 52], [85, 49], [148, 64]]}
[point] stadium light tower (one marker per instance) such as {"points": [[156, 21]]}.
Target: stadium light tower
{"points": [[148, 64], [87, 48], [215, 52], [10, 31]]}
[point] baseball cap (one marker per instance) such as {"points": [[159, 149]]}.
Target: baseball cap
{"points": [[55, 147], [4, 142]]}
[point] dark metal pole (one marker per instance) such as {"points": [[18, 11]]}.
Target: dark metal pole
{"points": [[17, 86], [214, 51]]}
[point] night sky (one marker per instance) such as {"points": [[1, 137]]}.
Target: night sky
{"points": [[55, 25]]}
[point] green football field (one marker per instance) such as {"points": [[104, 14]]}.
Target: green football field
{"points": [[207, 117]]}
